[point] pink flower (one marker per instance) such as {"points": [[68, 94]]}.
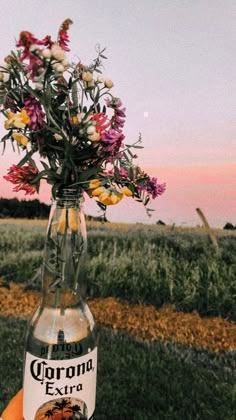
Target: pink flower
{"points": [[153, 188], [27, 39], [118, 119], [22, 176], [112, 141], [35, 112], [123, 172], [63, 38]]}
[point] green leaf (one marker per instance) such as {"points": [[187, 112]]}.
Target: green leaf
{"points": [[26, 158], [116, 172], [101, 205], [45, 165], [85, 175], [146, 201], [142, 181], [131, 173]]}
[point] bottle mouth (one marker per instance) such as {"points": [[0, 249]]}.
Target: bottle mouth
{"points": [[67, 197]]}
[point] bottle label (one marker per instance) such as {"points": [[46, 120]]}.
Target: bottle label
{"points": [[60, 389]]}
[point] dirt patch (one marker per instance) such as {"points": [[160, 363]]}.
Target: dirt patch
{"points": [[142, 321]]}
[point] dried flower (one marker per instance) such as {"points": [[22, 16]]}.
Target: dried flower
{"points": [[22, 176], [59, 110]]}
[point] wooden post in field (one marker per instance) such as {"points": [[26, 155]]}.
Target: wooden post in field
{"points": [[208, 228]]}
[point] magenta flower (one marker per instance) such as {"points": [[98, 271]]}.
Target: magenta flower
{"points": [[112, 141], [35, 112], [63, 38], [22, 176], [153, 188], [27, 39], [118, 119]]}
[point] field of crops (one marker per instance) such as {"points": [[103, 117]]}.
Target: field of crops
{"points": [[140, 264]]}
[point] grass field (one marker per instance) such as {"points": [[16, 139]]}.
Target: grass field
{"points": [[150, 264]]}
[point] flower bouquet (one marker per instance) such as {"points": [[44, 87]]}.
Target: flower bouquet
{"points": [[69, 126]]}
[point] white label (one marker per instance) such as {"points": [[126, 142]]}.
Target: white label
{"points": [[59, 386]]}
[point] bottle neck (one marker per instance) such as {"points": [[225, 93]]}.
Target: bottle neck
{"points": [[65, 250]]}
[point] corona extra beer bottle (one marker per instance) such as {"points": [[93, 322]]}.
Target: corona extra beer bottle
{"points": [[61, 341]]}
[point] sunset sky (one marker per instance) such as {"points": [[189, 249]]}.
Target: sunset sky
{"points": [[173, 64]]}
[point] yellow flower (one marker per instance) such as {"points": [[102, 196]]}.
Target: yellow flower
{"points": [[20, 138], [114, 199], [73, 220], [94, 183], [110, 198], [24, 117], [74, 120], [104, 197], [126, 191], [17, 120], [98, 191]]}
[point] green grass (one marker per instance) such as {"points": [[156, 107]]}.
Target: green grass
{"points": [[137, 381], [142, 265]]}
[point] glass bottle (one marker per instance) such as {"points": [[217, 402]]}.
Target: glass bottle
{"points": [[61, 340]]}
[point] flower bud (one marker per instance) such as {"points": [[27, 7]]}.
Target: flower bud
{"points": [[65, 63], [108, 83], [94, 137], [59, 68], [57, 52], [46, 53], [91, 129], [87, 76]]}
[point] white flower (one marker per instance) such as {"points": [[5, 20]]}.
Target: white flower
{"points": [[57, 52], [59, 68], [65, 63], [38, 86], [46, 53], [91, 129], [100, 78]]}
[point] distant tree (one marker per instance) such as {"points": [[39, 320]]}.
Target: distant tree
{"points": [[229, 226], [29, 209], [160, 222]]}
